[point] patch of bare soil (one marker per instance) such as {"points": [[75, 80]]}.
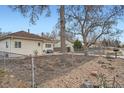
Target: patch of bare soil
{"points": [[47, 68], [8, 80], [110, 68]]}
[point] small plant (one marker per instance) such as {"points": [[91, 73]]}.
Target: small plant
{"points": [[115, 84], [102, 81], [2, 73]]}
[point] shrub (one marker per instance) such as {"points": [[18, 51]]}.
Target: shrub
{"points": [[77, 45]]}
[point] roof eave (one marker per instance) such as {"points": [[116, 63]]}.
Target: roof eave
{"points": [[24, 38]]}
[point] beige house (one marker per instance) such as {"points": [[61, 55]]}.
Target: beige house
{"points": [[25, 43], [69, 46]]}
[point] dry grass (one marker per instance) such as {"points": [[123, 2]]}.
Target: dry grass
{"points": [[46, 67], [51, 72], [75, 78], [2, 73]]}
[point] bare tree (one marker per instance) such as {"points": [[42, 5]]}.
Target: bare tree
{"points": [[32, 11], [54, 34], [51, 35], [93, 22], [62, 24], [69, 35], [62, 29]]}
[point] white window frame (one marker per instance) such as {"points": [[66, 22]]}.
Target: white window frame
{"points": [[18, 44], [48, 45]]}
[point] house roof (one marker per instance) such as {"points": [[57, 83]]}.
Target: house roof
{"points": [[26, 35]]}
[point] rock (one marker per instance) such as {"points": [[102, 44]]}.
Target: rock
{"points": [[87, 84], [110, 60], [11, 76], [96, 86], [104, 66], [94, 73], [100, 62], [117, 75], [109, 64], [111, 67]]}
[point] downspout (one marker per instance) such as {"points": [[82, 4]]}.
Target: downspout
{"points": [[42, 47], [10, 45]]}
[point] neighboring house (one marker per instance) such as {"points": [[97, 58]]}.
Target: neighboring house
{"points": [[122, 50], [25, 43], [69, 46], [97, 44]]}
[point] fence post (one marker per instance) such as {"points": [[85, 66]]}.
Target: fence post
{"points": [[4, 61], [32, 63]]}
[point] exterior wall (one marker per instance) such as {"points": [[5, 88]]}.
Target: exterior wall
{"points": [[122, 50], [68, 44], [27, 46], [3, 45], [44, 47], [57, 44]]}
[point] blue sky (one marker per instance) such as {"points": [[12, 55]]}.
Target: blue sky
{"points": [[11, 21]]}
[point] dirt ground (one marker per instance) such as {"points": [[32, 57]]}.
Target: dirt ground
{"points": [[109, 67], [46, 68], [51, 72]]}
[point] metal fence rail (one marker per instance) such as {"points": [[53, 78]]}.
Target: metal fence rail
{"points": [[9, 55]]}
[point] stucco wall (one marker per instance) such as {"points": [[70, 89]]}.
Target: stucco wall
{"points": [[3, 45], [27, 46], [68, 44]]}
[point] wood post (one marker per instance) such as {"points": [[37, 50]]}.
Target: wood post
{"points": [[33, 77], [4, 62]]}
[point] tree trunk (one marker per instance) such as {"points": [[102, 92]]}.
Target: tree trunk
{"points": [[85, 50], [62, 25], [85, 45]]}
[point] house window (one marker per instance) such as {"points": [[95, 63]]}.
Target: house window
{"points": [[48, 45], [17, 44], [38, 44], [6, 44]]}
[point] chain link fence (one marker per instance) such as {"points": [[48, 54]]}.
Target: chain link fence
{"points": [[37, 70], [97, 51]]}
